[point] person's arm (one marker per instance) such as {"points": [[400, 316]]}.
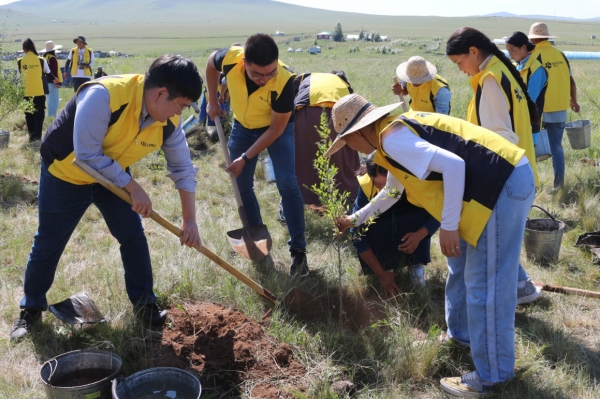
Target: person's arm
{"points": [[386, 278], [50, 77], [442, 101], [191, 235], [92, 59], [574, 104], [68, 65], [276, 128], [212, 83], [493, 111], [536, 83], [399, 88]]}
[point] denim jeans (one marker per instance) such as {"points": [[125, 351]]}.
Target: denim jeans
{"points": [[52, 100], [61, 206], [481, 289], [555, 136], [281, 152], [76, 82]]}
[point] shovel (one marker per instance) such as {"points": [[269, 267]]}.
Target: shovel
{"points": [[400, 96], [178, 232], [568, 290], [252, 242]]}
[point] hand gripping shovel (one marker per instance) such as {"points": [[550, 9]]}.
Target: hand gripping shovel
{"points": [[252, 242], [178, 232], [401, 97]]}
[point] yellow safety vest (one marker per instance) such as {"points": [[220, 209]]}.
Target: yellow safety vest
{"points": [[558, 93], [124, 142], [253, 111], [489, 162], [320, 90], [421, 97], [87, 57], [59, 76], [516, 103], [30, 68], [367, 186]]}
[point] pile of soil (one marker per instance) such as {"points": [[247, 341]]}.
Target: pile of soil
{"points": [[225, 349]]}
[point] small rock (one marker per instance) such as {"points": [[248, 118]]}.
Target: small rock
{"points": [[341, 388]]}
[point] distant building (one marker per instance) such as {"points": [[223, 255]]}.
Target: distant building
{"points": [[593, 37], [352, 37], [296, 38], [279, 33], [384, 38], [314, 50], [325, 36]]}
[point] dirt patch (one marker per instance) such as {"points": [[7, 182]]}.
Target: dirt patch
{"points": [[229, 352]]}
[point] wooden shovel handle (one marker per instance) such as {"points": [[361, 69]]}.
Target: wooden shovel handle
{"points": [[568, 290], [400, 96], [124, 195]]}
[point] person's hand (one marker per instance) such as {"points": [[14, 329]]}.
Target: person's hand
{"points": [[388, 284], [397, 89], [65, 75], [343, 223], [191, 236], [236, 166], [140, 200], [213, 109], [450, 243], [575, 106], [410, 242]]}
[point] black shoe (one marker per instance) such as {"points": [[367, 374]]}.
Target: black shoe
{"points": [[150, 313], [24, 324], [299, 264]]}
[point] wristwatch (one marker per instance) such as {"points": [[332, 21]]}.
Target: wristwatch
{"points": [[245, 158]]}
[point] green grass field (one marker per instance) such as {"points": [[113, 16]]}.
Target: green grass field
{"points": [[558, 337]]}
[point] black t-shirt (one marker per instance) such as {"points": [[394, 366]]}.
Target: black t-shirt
{"points": [[282, 104]]}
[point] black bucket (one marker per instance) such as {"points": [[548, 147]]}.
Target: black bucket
{"points": [[81, 374], [158, 382]]}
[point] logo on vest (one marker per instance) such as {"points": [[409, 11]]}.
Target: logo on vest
{"points": [[519, 94], [549, 65], [144, 144]]}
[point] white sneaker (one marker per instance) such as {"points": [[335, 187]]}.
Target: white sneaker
{"points": [[417, 274], [529, 293]]}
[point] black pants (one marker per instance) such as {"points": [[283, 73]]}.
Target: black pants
{"points": [[76, 82], [35, 119]]}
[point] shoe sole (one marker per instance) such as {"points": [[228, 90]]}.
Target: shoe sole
{"points": [[461, 394], [529, 298]]}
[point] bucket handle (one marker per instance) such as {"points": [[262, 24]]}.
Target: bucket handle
{"points": [[115, 383], [547, 213], [52, 369], [580, 117]]}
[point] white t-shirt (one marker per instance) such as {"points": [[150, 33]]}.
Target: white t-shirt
{"points": [[81, 72]]}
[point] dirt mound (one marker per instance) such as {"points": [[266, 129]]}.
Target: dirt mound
{"points": [[225, 348]]}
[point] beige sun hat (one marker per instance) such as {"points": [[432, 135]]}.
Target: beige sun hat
{"points": [[351, 113], [50, 46], [416, 70], [539, 30]]}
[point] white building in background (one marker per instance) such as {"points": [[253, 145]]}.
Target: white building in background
{"points": [[352, 37]]}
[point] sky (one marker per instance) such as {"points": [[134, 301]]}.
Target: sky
{"points": [[454, 8]]}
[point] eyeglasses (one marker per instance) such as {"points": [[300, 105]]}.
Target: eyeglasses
{"points": [[178, 106], [256, 75]]}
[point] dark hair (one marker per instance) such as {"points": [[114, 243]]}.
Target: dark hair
{"points": [[342, 75], [28, 45], [261, 49], [520, 39], [370, 167], [177, 74], [465, 38]]}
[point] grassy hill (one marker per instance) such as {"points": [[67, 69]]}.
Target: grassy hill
{"points": [[158, 26]]}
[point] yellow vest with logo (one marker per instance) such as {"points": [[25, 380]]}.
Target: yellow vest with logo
{"points": [[124, 142], [558, 93], [516, 102], [421, 97], [252, 111], [30, 68], [324, 90], [489, 161], [87, 57], [59, 76]]}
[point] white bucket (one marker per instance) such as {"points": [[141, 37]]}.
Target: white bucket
{"points": [[189, 123], [542, 149], [579, 133], [4, 137], [268, 171]]}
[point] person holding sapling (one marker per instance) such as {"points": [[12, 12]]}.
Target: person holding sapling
{"points": [[480, 187]]}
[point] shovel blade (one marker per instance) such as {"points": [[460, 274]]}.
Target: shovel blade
{"points": [[253, 243]]}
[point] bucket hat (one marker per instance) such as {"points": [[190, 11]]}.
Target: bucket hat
{"points": [[351, 113], [80, 38], [50, 46], [416, 70], [539, 30]]}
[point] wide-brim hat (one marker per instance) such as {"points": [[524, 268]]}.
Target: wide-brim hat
{"points": [[416, 70], [80, 38], [50, 46], [351, 113], [539, 30]]}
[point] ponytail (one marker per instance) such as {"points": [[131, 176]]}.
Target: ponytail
{"points": [[464, 38], [28, 45]]}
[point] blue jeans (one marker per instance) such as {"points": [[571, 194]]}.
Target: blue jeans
{"points": [[555, 136], [76, 82], [281, 152], [61, 206], [52, 100], [481, 289]]}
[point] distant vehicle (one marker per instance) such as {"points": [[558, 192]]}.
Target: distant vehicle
{"points": [[299, 50], [290, 50]]}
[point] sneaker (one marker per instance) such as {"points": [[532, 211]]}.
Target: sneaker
{"points": [[280, 214], [445, 338], [150, 313], [417, 274], [529, 293], [467, 386], [24, 324], [299, 264]]}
